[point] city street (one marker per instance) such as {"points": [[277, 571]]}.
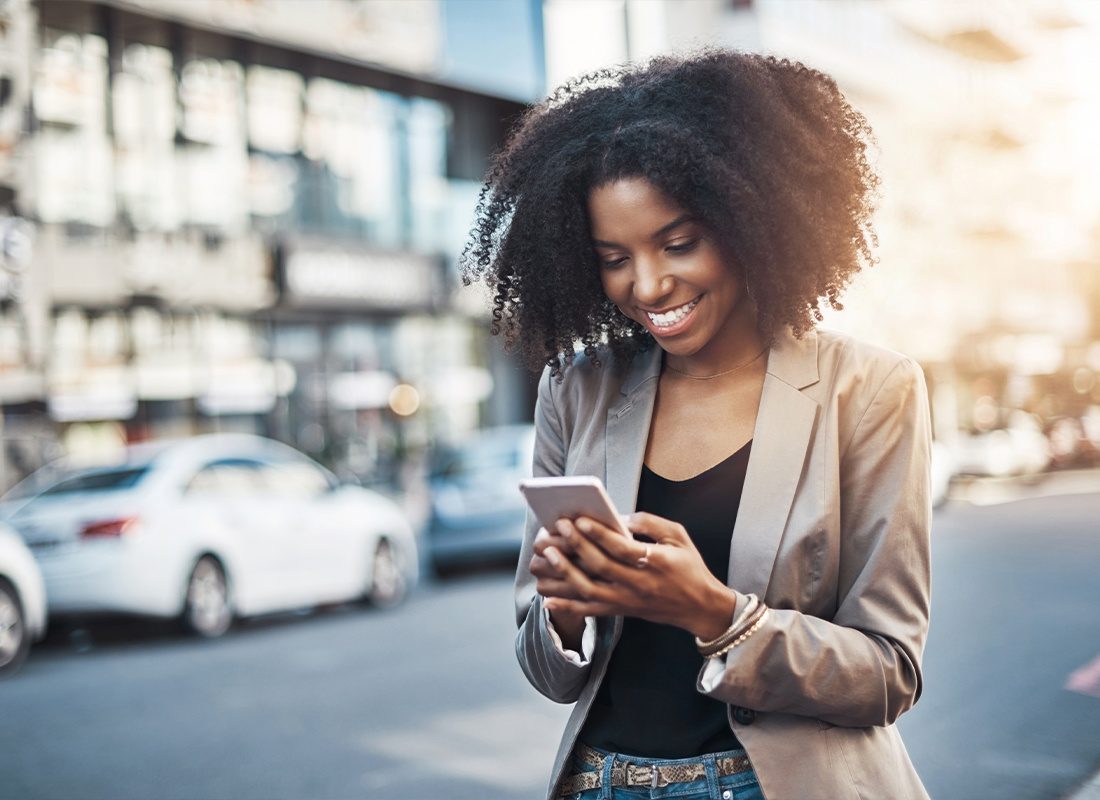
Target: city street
{"points": [[426, 701]]}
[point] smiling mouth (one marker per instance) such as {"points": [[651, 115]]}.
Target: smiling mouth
{"points": [[668, 319]]}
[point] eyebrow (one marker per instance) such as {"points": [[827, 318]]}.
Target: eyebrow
{"points": [[680, 220]]}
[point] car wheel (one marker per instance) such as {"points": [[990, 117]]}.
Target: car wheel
{"points": [[388, 585], [15, 641], [206, 609]]}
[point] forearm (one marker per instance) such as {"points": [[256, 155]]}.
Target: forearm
{"points": [[546, 667], [570, 628], [817, 668]]}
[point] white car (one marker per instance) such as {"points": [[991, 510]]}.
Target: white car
{"points": [[209, 528], [22, 602]]}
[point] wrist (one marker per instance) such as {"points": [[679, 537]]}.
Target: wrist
{"points": [[716, 613]]}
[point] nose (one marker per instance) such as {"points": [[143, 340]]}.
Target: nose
{"points": [[651, 283]]}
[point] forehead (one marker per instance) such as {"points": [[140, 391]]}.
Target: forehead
{"points": [[629, 207]]}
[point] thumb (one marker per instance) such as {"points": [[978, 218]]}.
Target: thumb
{"points": [[659, 529]]}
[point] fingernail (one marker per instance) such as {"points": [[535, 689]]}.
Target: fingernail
{"points": [[567, 530], [584, 525], [562, 526], [553, 557]]}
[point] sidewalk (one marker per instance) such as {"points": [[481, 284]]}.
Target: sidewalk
{"points": [[991, 491], [1089, 791]]}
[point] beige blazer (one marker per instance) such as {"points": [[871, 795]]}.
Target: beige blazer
{"points": [[832, 533]]}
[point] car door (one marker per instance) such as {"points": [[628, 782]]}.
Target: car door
{"points": [[233, 495], [327, 540]]}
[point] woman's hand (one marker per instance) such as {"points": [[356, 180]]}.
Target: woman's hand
{"points": [[664, 581], [552, 553]]}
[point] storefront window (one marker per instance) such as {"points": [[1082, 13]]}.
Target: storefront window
{"points": [[72, 154], [353, 184], [428, 126], [212, 160], [143, 105], [275, 109]]}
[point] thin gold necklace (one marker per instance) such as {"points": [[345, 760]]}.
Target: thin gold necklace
{"points": [[717, 374]]}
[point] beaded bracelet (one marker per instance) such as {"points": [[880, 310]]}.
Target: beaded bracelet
{"points": [[739, 624], [749, 632], [707, 649]]}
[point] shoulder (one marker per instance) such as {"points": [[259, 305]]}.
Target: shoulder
{"points": [[860, 367], [583, 375], [857, 377]]}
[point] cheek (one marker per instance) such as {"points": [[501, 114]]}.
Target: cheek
{"points": [[612, 287]]}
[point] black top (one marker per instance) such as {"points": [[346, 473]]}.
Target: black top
{"points": [[647, 704]]}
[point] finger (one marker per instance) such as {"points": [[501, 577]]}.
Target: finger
{"points": [[585, 586], [552, 587], [545, 539], [659, 529], [623, 550], [620, 568], [549, 563]]}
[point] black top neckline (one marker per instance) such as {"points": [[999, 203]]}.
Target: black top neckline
{"points": [[730, 457]]}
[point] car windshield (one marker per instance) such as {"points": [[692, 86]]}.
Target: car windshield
{"points": [[100, 480]]}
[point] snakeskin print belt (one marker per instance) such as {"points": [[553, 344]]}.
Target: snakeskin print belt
{"points": [[623, 773]]}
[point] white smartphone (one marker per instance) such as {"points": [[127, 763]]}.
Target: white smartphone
{"points": [[571, 496]]}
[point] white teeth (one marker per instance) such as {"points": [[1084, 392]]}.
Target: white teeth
{"points": [[672, 317]]}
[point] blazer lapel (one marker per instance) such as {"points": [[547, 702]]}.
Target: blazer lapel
{"points": [[628, 423], [784, 427]]}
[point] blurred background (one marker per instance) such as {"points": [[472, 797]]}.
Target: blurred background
{"points": [[225, 222]]}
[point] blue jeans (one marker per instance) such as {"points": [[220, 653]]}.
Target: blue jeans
{"points": [[742, 786]]}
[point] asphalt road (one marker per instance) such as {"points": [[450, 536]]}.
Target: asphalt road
{"points": [[425, 701]]}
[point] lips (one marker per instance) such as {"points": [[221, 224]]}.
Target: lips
{"points": [[674, 321]]}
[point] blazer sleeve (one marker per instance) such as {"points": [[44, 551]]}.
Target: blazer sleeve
{"points": [[545, 665], [863, 667]]}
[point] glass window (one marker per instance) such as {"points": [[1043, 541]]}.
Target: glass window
{"points": [[212, 161], [143, 107], [296, 479], [352, 181], [230, 477], [275, 109], [73, 164], [106, 480], [428, 126]]}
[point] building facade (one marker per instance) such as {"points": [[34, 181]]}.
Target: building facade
{"points": [[220, 215]]}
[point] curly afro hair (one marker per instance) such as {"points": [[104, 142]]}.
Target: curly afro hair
{"points": [[765, 152]]}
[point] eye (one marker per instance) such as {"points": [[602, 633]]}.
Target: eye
{"points": [[611, 263], [682, 247]]}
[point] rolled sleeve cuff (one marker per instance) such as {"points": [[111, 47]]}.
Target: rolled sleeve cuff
{"points": [[588, 640]]}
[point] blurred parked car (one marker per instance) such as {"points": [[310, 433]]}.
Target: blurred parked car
{"points": [[210, 528], [477, 512], [22, 602], [1070, 444], [1002, 452]]}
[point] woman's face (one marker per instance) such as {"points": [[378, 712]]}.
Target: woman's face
{"points": [[664, 270]]}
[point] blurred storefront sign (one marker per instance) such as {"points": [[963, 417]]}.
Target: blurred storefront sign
{"points": [[20, 385], [366, 389], [248, 386], [330, 276], [92, 393], [185, 269]]}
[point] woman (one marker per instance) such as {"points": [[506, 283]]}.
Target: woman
{"points": [[763, 630]]}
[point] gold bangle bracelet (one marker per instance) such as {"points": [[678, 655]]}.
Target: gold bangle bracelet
{"points": [[732, 632], [739, 623], [741, 639]]}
